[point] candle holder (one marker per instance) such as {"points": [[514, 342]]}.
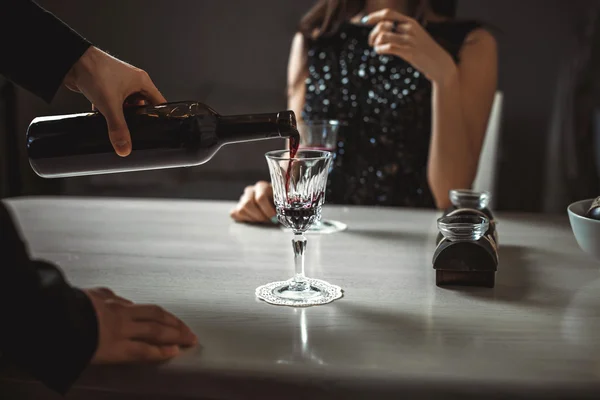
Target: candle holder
{"points": [[467, 245]]}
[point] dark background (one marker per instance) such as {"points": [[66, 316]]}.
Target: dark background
{"points": [[232, 55]]}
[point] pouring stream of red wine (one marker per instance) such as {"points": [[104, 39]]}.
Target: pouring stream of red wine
{"points": [[294, 144]]}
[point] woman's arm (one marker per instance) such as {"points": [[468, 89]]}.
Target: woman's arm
{"points": [[297, 74], [462, 95], [462, 100]]}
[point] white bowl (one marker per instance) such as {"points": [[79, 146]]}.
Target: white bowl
{"points": [[586, 230]]}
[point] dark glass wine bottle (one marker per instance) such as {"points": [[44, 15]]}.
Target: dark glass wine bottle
{"points": [[181, 134]]}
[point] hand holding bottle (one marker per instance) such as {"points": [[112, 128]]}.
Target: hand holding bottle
{"points": [[108, 82], [256, 204]]}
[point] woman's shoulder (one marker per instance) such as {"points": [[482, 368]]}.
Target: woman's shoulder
{"points": [[453, 34], [454, 29]]}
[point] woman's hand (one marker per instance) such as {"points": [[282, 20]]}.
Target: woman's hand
{"points": [[131, 333], [256, 204], [401, 36], [108, 82]]}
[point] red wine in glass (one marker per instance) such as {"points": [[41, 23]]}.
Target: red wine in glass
{"points": [[300, 216]]}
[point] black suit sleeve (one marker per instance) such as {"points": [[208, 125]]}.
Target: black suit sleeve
{"points": [[37, 50], [48, 328]]}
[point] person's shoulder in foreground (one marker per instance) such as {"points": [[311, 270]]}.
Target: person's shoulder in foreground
{"points": [[37, 48], [53, 330]]}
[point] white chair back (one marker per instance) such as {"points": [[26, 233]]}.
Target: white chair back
{"points": [[488, 159]]}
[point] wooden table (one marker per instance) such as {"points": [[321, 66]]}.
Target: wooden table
{"points": [[393, 335]]}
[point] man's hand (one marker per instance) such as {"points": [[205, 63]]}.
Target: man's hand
{"points": [[107, 82], [129, 333]]}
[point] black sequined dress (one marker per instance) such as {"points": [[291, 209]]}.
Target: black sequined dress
{"points": [[382, 152]]}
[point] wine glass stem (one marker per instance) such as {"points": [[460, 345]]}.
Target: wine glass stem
{"points": [[299, 282]]}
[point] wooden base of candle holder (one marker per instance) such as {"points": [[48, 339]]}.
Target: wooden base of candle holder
{"points": [[465, 263], [465, 278]]}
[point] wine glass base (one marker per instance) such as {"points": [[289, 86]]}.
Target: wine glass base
{"points": [[280, 293], [323, 227]]}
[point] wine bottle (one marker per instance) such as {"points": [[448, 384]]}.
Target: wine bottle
{"points": [[594, 211], [170, 135]]}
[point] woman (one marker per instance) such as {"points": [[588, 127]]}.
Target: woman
{"points": [[416, 88]]}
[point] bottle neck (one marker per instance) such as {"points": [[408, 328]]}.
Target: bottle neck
{"points": [[240, 128]]}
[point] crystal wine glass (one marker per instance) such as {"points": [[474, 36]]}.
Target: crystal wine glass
{"points": [[299, 193], [321, 135]]}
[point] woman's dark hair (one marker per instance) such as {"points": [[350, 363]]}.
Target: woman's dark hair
{"points": [[326, 16]]}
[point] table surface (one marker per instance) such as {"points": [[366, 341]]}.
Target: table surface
{"points": [[394, 332]]}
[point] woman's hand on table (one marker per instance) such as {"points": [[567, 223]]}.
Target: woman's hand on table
{"points": [[129, 332], [256, 204]]}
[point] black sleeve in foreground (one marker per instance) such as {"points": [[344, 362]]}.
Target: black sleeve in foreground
{"points": [[49, 328], [37, 49]]}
